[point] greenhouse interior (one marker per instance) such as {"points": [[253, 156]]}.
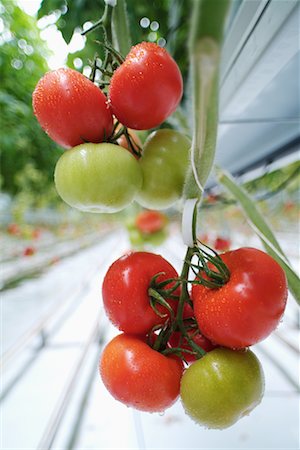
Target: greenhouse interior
{"points": [[149, 227]]}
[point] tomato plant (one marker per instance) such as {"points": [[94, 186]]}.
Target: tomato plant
{"points": [[125, 291], [222, 387], [139, 376], [149, 222], [97, 177], [146, 88], [164, 165], [71, 109], [248, 307]]}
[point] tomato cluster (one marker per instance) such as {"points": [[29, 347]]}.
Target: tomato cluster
{"points": [[180, 336], [98, 174], [193, 343]]}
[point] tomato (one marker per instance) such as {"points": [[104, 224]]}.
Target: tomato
{"points": [[164, 164], [14, 229], [149, 222], [125, 291], [177, 340], [146, 88], [139, 376], [29, 251], [71, 109], [222, 387], [249, 306], [141, 240], [222, 244], [97, 177]]}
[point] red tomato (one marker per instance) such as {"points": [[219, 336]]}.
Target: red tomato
{"points": [[146, 88], [139, 376], [29, 251], [125, 291], [222, 244], [71, 109], [149, 222], [14, 229], [249, 306]]}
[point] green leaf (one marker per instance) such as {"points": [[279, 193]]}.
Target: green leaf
{"points": [[262, 229]]}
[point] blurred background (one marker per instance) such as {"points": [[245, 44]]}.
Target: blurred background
{"points": [[53, 258]]}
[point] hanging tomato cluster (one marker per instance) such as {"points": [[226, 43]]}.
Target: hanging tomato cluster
{"points": [[191, 342], [98, 173], [184, 335]]}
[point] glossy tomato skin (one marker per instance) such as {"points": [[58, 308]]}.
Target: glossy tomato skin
{"points": [[146, 88], [164, 164], [149, 222], [139, 376], [249, 306], [222, 387], [71, 109], [125, 291], [100, 178]]}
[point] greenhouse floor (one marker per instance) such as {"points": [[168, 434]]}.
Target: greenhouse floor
{"points": [[53, 330]]}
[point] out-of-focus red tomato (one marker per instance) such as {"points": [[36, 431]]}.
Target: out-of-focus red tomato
{"points": [[29, 251], [149, 222], [222, 244], [14, 229]]}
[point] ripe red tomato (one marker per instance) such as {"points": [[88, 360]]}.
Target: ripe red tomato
{"points": [[29, 251], [222, 244], [125, 291], [249, 306], [71, 109], [146, 88], [149, 222], [139, 376], [14, 229]]}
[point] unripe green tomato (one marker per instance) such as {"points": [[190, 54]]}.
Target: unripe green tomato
{"points": [[164, 165], [136, 238], [101, 178], [222, 387], [157, 238]]}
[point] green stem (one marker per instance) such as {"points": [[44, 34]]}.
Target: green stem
{"points": [[204, 50], [121, 30], [184, 297]]}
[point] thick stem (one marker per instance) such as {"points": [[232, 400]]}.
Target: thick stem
{"points": [[204, 50], [184, 297]]}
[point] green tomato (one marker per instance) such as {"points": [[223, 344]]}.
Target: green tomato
{"points": [[98, 177], [156, 238], [223, 386], [136, 238], [164, 165]]}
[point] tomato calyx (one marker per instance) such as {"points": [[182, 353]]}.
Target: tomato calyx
{"points": [[132, 145], [159, 295], [209, 268], [159, 336]]}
